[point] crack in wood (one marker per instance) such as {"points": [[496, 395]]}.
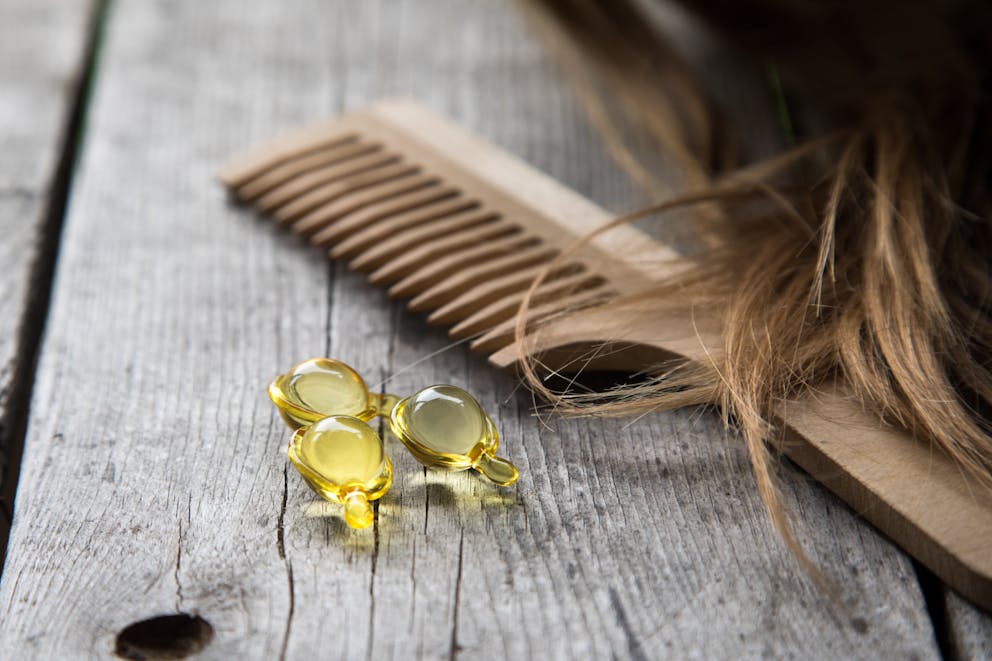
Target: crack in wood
{"points": [[280, 522], [290, 611], [427, 500], [178, 569], [375, 562], [281, 549], [634, 648], [455, 648]]}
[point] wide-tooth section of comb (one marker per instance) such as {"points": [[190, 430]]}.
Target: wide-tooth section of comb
{"points": [[399, 230], [478, 296], [437, 270], [441, 246], [507, 306], [470, 276], [332, 191], [291, 189], [297, 167], [280, 151], [355, 231], [439, 217], [322, 216], [502, 334], [424, 226]]}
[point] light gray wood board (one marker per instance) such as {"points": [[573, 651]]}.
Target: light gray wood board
{"points": [[969, 630], [42, 48], [153, 480]]}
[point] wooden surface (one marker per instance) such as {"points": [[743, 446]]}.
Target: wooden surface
{"points": [[152, 479], [969, 631], [42, 50]]}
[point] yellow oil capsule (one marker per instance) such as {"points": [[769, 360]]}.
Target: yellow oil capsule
{"points": [[343, 460], [445, 427], [320, 387]]}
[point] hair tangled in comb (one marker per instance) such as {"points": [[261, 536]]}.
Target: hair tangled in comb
{"points": [[862, 254]]}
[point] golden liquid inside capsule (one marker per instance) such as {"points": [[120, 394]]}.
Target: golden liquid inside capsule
{"points": [[320, 387], [445, 427], [445, 419], [343, 460]]}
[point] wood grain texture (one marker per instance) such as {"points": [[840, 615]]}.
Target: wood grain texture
{"points": [[42, 51], [153, 481], [969, 630]]}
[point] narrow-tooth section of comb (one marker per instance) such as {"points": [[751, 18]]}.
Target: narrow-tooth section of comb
{"points": [[334, 190], [436, 270], [419, 226], [304, 183], [502, 334], [335, 221], [280, 174], [280, 151], [469, 276], [352, 201], [505, 307], [358, 230], [484, 293], [440, 246], [399, 226]]}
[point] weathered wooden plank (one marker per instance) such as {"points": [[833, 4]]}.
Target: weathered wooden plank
{"points": [[42, 53], [969, 630], [153, 481]]}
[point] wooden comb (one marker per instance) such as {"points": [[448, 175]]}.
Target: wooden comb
{"points": [[461, 228]]}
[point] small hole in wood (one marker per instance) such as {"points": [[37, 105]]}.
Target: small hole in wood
{"points": [[164, 637]]}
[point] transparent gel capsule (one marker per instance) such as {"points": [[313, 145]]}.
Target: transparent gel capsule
{"points": [[320, 387], [343, 460], [445, 427]]}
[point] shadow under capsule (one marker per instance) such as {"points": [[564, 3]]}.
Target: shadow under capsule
{"points": [[338, 531], [461, 491]]}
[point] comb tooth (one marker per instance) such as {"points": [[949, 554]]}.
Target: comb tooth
{"points": [[319, 225], [440, 220], [448, 253], [328, 174], [248, 166], [355, 199], [328, 193], [502, 335], [435, 271], [357, 230], [386, 228], [451, 286], [483, 293], [505, 307], [280, 174], [436, 246]]}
